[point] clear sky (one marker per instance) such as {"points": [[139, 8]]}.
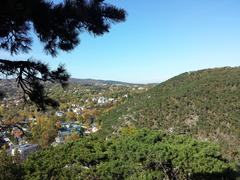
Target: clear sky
{"points": [[160, 39]]}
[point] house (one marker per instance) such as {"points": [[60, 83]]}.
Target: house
{"points": [[67, 129], [92, 129], [8, 141], [17, 132], [125, 96], [5, 141], [102, 100], [94, 99], [24, 150], [59, 113], [111, 100], [78, 110]]}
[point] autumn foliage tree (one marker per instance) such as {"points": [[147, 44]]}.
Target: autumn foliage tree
{"points": [[57, 26], [44, 131]]}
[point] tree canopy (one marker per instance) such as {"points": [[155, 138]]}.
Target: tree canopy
{"points": [[58, 27], [131, 154]]}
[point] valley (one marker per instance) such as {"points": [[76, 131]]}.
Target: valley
{"points": [[186, 128]]}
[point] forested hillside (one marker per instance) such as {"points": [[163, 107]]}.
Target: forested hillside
{"points": [[204, 104]]}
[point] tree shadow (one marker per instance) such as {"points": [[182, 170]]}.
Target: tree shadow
{"points": [[228, 174]]}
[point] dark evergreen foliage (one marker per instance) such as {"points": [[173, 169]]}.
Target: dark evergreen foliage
{"points": [[10, 167], [132, 154]]}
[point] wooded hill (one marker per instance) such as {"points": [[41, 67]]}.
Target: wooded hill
{"points": [[204, 104]]}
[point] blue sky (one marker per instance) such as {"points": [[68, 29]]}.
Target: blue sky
{"points": [[160, 39]]}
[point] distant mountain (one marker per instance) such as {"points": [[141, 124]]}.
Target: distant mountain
{"points": [[97, 82], [204, 104], [9, 86], [12, 82]]}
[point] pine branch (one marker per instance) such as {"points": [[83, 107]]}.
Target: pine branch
{"points": [[29, 77]]}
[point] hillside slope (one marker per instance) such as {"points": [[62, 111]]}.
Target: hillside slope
{"points": [[204, 104]]}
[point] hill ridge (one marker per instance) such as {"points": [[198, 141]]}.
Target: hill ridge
{"points": [[204, 104]]}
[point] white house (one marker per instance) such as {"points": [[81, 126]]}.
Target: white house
{"points": [[59, 113], [102, 100], [24, 150]]}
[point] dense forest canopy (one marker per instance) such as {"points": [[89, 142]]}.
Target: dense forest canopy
{"points": [[132, 154], [204, 104]]}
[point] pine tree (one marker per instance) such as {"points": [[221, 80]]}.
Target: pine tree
{"points": [[58, 26]]}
